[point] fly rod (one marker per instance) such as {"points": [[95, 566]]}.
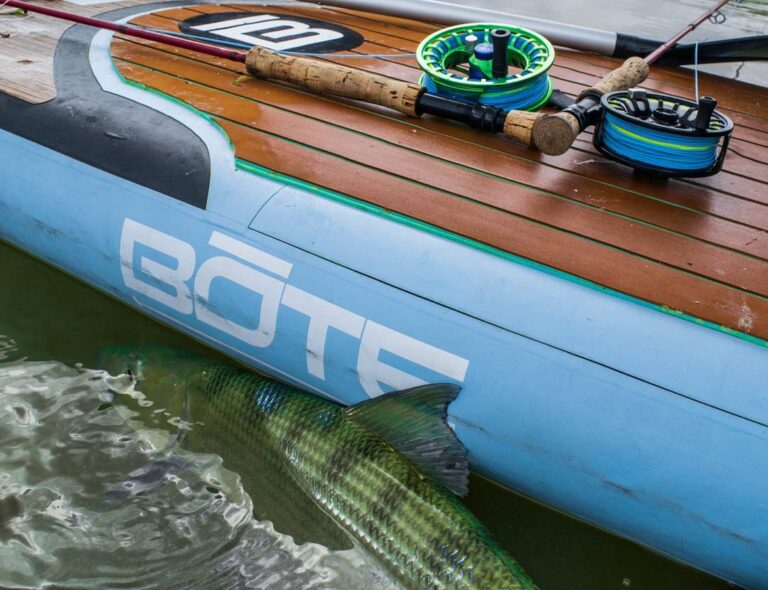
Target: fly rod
{"points": [[555, 134], [552, 134], [327, 78]]}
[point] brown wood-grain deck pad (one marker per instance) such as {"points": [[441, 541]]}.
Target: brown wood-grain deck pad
{"points": [[698, 247]]}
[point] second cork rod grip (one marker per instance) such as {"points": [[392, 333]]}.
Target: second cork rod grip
{"points": [[555, 134], [330, 78]]}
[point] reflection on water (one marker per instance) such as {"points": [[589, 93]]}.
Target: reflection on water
{"points": [[91, 497], [45, 314]]}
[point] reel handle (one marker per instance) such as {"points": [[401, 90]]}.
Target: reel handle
{"points": [[338, 80], [555, 134]]}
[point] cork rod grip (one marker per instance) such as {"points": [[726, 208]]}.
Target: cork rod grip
{"points": [[632, 72], [329, 78], [519, 126], [555, 134]]}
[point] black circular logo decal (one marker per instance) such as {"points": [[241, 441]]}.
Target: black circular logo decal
{"points": [[278, 32]]}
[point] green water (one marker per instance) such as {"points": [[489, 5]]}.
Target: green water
{"points": [[48, 316]]}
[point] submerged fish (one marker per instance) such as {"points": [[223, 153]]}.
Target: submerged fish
{"points": [[388, 471]]}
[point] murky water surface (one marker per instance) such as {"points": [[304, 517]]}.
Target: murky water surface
{"points": [[92, 497], [655, 19], [95, 493]]}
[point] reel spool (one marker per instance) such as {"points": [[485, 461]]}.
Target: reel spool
{"points": [[470, 63], [663, 134]]}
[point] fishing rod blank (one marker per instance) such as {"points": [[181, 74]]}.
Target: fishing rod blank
{"points": [[555, 134], [437, 11], [132, 31], [578, 37]]}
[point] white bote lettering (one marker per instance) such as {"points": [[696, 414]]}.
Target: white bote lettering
{"points": [[322, 315], [374, 373], [266, 275], [135, 232]]}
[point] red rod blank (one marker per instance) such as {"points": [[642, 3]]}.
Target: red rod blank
{"points": [[223, 53]]}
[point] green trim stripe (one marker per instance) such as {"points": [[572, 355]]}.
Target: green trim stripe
{"points": [[448, 235]]}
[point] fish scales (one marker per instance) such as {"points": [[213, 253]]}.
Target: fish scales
{"points": [[235, 430], [352, 485], [418, 529]]}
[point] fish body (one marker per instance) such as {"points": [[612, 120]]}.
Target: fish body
{"points": [[372, 468]]}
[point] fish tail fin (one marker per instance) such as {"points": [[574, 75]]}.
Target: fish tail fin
{"points": [[415, 423]]}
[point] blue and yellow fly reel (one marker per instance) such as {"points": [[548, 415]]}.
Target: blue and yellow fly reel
{"points": [[663, 134], [497, 65]]}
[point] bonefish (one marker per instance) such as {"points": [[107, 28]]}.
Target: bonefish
{"points": [[388, 471]]}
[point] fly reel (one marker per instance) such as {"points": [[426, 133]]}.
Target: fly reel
{"points": [[471, 63], [663, 134]]}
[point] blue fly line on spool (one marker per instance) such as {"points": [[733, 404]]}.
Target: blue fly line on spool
{"points": [[449, 70], [664, 134], [659, 148]]}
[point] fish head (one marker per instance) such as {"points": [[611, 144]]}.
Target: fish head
{"points": [[121, 360], [151, 366]]}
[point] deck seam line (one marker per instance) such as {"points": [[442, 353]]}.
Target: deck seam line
{"points": [[346, 11], [362, 55], [693, 181]]}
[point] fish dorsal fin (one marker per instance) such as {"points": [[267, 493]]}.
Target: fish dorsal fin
{"points": [[414, 422]]}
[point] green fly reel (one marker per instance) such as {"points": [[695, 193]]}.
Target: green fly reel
{"points": [[472, 63]]}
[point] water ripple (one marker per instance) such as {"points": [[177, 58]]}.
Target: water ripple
{"points": [[91, 497]]}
